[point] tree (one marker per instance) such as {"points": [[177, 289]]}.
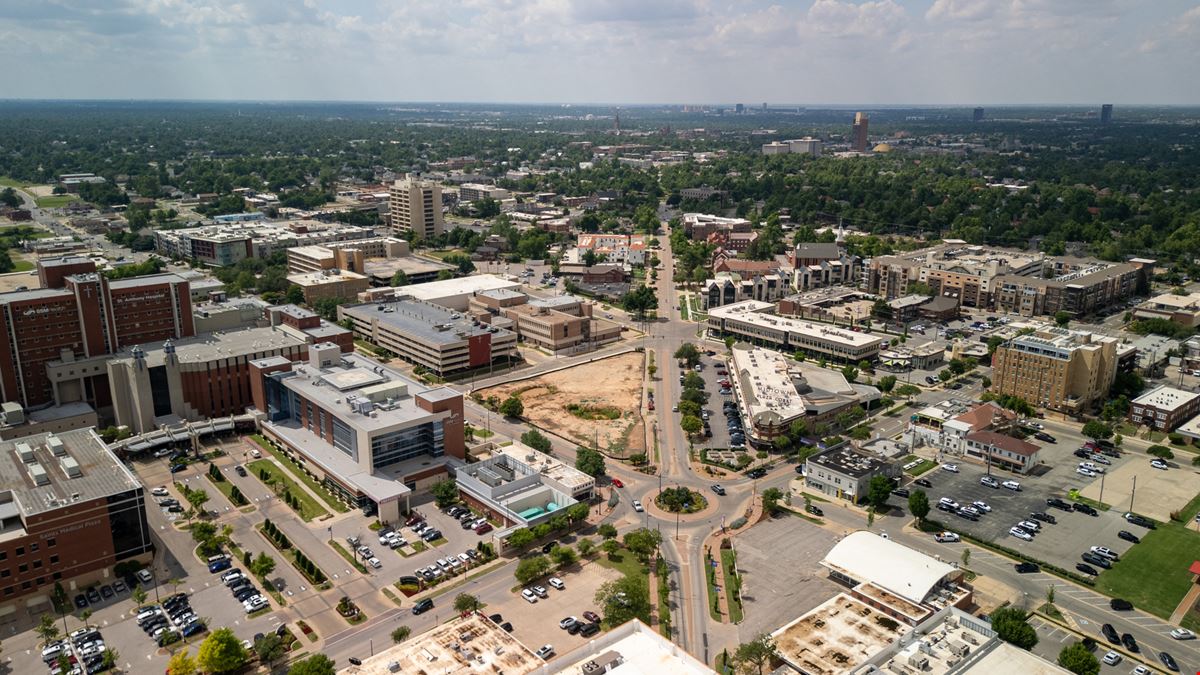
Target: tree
{"points": [[295, 294], [589, 461], [197, 498], [138, 595], [445, 492], [563, 556], [771, 497], [624, 599], [642, 542], [1160, 451], [610, 547], [918, 504], [757, 653], [465, 602], [401, 634], [512, 407], [521, 537], [1078, 659], [317, 664], [850, 373], [886, 383], [1011, 626], [689, 408], [182, 663], [586, 547], [531, 568], [536, 440], [269, 648], [607, 531], [399, 278], [945, 375], [1062, 318], [85, 615], [1097, 430], [262, 565], [46, 629], [878, 491], [688, 353], [640, 300], [966, 556], [693, 380], [691, 424], [221, 652]]}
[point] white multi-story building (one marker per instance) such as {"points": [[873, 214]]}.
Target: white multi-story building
{"points": [[749, 320]]}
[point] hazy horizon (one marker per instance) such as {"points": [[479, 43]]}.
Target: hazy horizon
{"points": [[612, 52]]}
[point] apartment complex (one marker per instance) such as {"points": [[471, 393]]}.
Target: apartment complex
{"points": [[226, 243], [416, 207], [1056, 368], [1164, 408], [727, 288], [1013, 281], [750, 321], [474, 192], [331, 284], [823, 264], [1182, 309], [562, 323], [363, 430], [88, 315], [699, 226], [624, 249], [71, 510], [429, 335], [346, 255]]}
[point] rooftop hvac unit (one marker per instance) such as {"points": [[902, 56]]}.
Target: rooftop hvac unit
{"points": [[25, 452], [70, 467], [56, 446], [38, 474]]}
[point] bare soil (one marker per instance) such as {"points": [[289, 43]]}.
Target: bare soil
{"points": [[615, 381]]}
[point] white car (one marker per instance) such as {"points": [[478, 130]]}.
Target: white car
{"points": [[254, 603], [989, 481], [1140, 670], [374, 562], [1085, 472], [1012, 485], [637, 506], [545, 652], [1094, 468], [945, 537], [160, 492], [1029, 525], [1020, 534], [568, 622], [1183, 634], [946, 501], [557, 583], [952, 468], [1111, 659], [529, 596], [982, 506], [1159, 464]]}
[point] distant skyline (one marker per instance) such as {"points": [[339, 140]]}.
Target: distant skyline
{"points": [[874, 52]]}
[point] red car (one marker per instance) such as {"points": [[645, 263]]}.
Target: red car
{"points": [[617, 483], [591, 616]]}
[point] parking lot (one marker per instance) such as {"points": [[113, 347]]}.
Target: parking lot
{"points": [[1052, 639], [710, 365], [536, 624], [781, 575], [1060, 543]]}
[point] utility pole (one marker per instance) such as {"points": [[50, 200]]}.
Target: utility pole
{"points": [[1132, 492], [1102, 488]]}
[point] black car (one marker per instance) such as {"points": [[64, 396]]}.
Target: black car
{"points": [[423, 606], [815, 510], [496, 618], [1128, 536], [1120, 604], [106, 592], [549, 546], [1135, 519], [589, 630], [1043, 516], [1059, 504], [718, 489], [757, 473], [923, 482], [508, 628], [1086, 569], [1110, 634], [1130, 643], [81, 601], [355, 661], [799, 468], [969, 515], [93, 595], [1097, 560], [176, 468], [1083, 453], [1084, 508], [900, 492], [241, 470], [245, 592], [1043, 436], [574, 628], [1168, 661], [1027, 568]]}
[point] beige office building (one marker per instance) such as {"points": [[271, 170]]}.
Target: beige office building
{"points": [[416, 207], [1056, 368]]}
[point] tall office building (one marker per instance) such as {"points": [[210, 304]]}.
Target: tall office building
{"points": [[977, 116], [416, 206], [1055, 368], [1106, 113], [739, 108], [858, 134]]}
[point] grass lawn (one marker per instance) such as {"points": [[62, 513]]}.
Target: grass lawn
{"points": [[925, 465], [683, 307], [225, 488], [348, 556], [22, 266], [728, 562], [628, 565], [441, 254], [55, 201], [5, 181], [1164, 556], [309, 509], [333, 502]]}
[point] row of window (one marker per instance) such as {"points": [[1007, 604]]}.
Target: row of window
{"points": [[24, 567], [27, 585], [33, 547]]}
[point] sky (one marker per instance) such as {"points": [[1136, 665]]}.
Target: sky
{"points": [[963, 52]]}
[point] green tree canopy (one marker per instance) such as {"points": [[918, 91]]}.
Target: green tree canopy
{"points": [[512, 407], [221, 652], [918, 504], [1012, 626], [589, 461], [1078, 659], [317, 664]]}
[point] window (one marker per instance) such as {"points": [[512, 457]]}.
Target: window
{"points": [[51, 542], [54, 560], [33, 547], [20, 550], [37, 564], [23, 568]]}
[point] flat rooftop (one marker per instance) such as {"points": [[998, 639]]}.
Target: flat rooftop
{"points": [[1166, 398], [436, 290], [630, 649], [848, 463], [754, 313], [218, 345], [147, 280], [836, 637], [410, 265], [47, 471], [470, 645], [425, 321], [323, 277], [765, 382], [547, 465]]}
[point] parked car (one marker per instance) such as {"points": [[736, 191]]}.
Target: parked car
{"points": [[1159, 464], [545, 652], [1011, 485], [1182, 634], [1141, 521], [423, 606], [529, 595], [1027, 568], [814, 510], [946, 537], [1099, 561], [1111, 658], [1020, 534], [1085, 508], [1086, 569], [1168, 661], [1110, 634], [1059, 503], [952, 468], [899, 492], [923, 482], [1120, 605], [988, 481], [1130, 643], [591, 616], [590, 629]]}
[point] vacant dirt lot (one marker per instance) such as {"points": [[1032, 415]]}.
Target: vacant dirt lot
{"points": [[615, 382]]}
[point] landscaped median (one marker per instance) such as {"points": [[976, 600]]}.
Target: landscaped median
{"points": [[231, 491], [296, 557], [291, 494], [330, 500]]}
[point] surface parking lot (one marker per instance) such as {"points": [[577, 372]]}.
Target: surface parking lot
{"points": [[1052, 639], [1060, 544], [536, 624], [782, 576], [716, 420]]}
